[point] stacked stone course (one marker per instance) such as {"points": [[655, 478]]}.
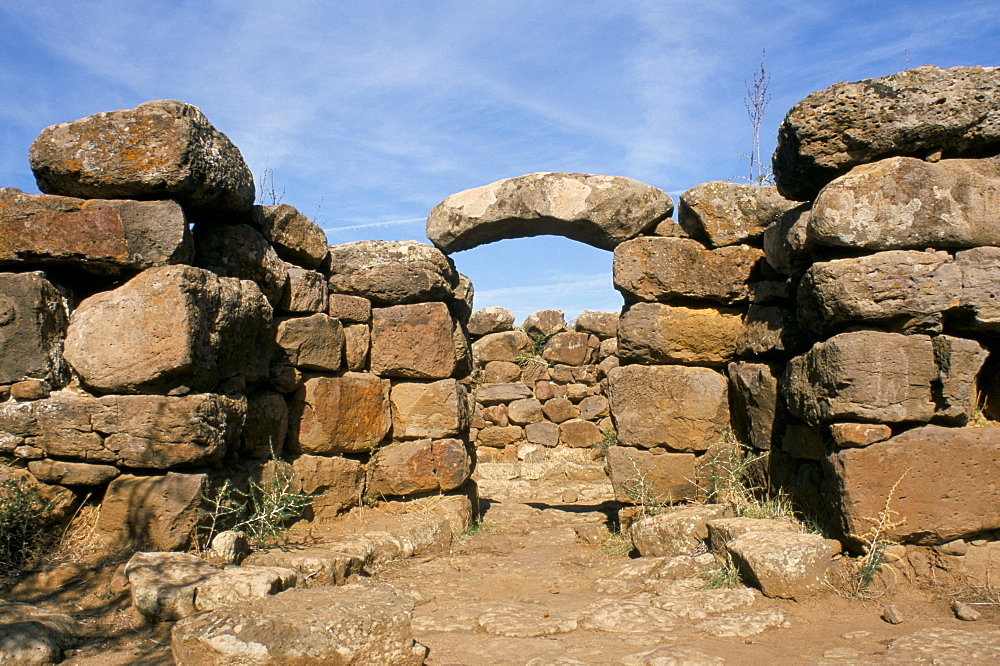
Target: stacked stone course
{"points": [[144, 360]]}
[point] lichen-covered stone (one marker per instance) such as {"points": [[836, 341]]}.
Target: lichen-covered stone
{"points": [[720, 213], [413, 341], [32, 328], [162, 149], [295, 237], [428, 410], [658, 333], [349, 413], [602, 211], [405, 468], [391, 272]]}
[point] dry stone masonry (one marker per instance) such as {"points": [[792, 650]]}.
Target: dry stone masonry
{"points": [[161, 334]]}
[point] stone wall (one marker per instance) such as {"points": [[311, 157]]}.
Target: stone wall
{"points": [[161, 333]]}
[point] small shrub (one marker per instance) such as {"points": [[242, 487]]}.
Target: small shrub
{"points": [[724, 574], [867, 567], [475, 527], [262, 512], [609, 438], [22, 525], [617, 544]]}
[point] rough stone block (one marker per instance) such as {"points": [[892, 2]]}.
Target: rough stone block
{"points": [[568, 348], [602, 324], [667, 269], [295, 237], [100, 236], [490, 320], [154, 512], [239, 251], [32, 328], [640, 477], [676, 531], [391, 272], [413, 341], [163, 149], [505, 346], [311, 343], [306, 291], [202, 330], [350, 309], [335, 483], [266, 425], [785, 565], [357, 343], [755, 398], [683, 408], [580, 434], [406, 468], [657, 333], [720, 213], [435, 410], [345, 414], [944, 478]]}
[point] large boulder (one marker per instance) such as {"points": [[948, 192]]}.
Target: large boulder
{"points": [[140, 431], [353, 624], [602, 324], [154, 512], [783, 564], [101, 236], [658, 333], [602, 211], [391, 272], [413, 341], [864, 376], [720, 213], [904, 203], [501, 346], [32, 328], [295, 237], [419, 466], [667, 269], [918, 112], [681, 530], [679, 407], [163, 149], [349, 414], [239, 251], [939, 483], [903, 287], [170, 327]]}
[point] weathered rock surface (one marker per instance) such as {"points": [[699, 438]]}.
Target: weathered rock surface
{"points": [[917, 112], [672, 654], [676, 531], [413, 341], [682, 408], [723, 530], [424, 465], [491, 394], [904, 203], [602, 211], [787, 242], [311, 343], [101, 236], [578, 433], [266, 425], [350, 309], [71, 473], [959, 362], [32, 328], [666, 269], [782, 564], [863, 376], [501, 346], [155, 512], [347, 414], [335, 483], [170, 586], [720, 213], [525, 411], [602, 324], [755, 402], [163, 149], [391, 272], [639, 477], [490, 320], [142, 431], [295, 237], [544, 323], [946, 484], [239, 251], [434, 410], [659, 333], [353, 624], [569, 348], [769, 329], [306, 291], [856, 435], [34, 635], [202, 330], [945, 645]]}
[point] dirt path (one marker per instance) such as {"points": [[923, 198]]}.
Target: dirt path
{"points": [[536, 586]]}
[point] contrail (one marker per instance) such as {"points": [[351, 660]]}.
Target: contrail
{"points": [[368, 225]]}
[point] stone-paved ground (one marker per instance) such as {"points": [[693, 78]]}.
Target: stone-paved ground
{"points": [[536, 585]]}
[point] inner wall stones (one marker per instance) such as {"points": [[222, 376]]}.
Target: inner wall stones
{"points": [[844, 325]]}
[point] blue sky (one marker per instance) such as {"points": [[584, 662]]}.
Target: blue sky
{"points": [[369, 113]]}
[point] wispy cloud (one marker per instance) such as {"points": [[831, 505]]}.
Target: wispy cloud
{"points": [[376, 225]]}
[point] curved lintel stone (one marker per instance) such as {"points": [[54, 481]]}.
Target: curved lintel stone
{"points": [[602, 211]]}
